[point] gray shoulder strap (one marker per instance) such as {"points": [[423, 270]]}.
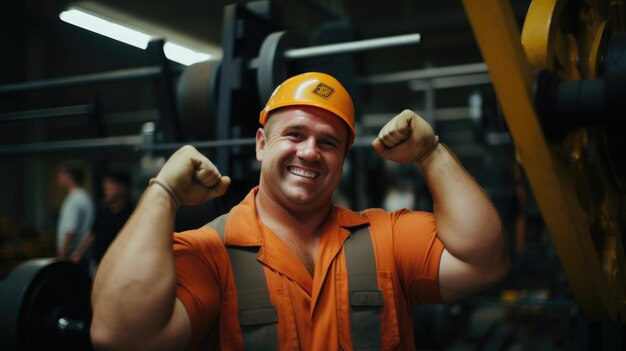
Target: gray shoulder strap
{"points": [[366, 299], [219, 224], [257, 316]]}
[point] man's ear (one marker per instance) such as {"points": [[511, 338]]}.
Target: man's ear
{"points": [[260, 144]]}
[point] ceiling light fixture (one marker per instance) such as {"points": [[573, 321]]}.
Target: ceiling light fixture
{"points": [[132, 36]]}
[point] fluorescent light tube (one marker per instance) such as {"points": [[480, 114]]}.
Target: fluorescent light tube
{"points": [[105, 27], [182, 54], [131, 36]]}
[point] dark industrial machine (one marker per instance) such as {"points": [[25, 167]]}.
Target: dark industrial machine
{"points": [[562, 92]]}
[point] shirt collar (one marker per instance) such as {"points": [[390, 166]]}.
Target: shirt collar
{"points": [[243, 227]]}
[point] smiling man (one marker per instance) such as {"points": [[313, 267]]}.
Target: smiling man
{"points": [[286, 268]]}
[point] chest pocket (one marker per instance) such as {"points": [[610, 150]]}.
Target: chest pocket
{"points": [[258, 317]]}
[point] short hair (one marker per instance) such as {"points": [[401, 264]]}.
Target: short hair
{"points": [[119, 177], [75, 169]]}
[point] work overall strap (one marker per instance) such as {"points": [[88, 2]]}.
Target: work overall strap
{"points": [[366, 300], [257, 316]]}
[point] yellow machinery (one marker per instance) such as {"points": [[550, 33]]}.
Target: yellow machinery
{"points": [[575, 178]]}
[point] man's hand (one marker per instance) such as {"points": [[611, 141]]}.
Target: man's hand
{"points": [[406, 138], [191, 177]]}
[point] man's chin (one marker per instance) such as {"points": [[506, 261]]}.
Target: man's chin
{"points": [[301, 199]]}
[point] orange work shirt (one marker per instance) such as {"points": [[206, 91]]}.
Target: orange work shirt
{"points": [[313, 311]]}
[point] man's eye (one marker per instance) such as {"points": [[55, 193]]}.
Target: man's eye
{"points": [[328, 143]]}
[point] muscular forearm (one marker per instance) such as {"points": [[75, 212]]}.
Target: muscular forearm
{"points": [[134, 289], [467, 222]]}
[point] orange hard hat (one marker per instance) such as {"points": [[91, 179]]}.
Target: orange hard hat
{"points": [[313, 89]]}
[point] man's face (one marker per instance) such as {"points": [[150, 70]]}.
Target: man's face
{"points": [[301, 150], [63, 179], [112, 190]]}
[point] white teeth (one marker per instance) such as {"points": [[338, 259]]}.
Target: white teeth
{"points": [[303, 173]]}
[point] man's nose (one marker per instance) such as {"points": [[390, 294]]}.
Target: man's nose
{"points": [[308, 150]]}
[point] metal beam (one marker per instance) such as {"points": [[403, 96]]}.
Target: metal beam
{"points": [[427, 73], [105, 77], [352, 46], [136, 143], [77, 110], [498, 36], [73, 145]]}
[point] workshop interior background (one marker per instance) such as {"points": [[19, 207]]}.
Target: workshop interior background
{"points": [[136, 120]]}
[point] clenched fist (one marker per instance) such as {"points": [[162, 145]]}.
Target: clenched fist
{"points": [[406, 138], [191, 178]]}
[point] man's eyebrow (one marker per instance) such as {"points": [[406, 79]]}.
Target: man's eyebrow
{"points": [[293, 127], [326, 135]]}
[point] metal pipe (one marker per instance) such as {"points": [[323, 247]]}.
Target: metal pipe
{"points": [[77, 110], [361, 141], [136, 142], [450, 82], [427, 73], [377, 120], [68, 145], [198, 144], [352, 47], [358, 142], [123, 74]]}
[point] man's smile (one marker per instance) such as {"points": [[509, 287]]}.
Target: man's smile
{"points": [[303, 172]]}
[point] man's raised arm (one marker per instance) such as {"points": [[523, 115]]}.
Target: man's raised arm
{"points": [[134, 293], [475, 254]]}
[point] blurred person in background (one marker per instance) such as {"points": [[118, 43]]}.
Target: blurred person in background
{"points": [[77, 210], [112, 213]]}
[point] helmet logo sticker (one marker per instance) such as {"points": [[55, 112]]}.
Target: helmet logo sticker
{"points": [[323, 90]]}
